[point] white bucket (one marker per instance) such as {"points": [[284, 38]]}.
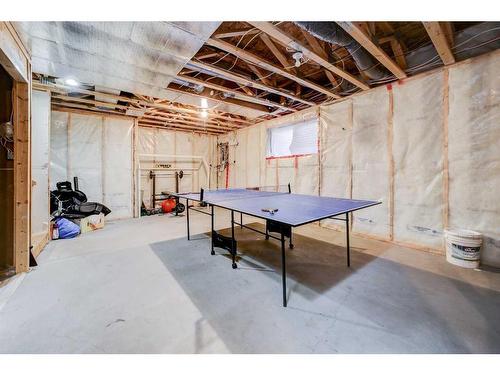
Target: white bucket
{"points": [[463, 247]]}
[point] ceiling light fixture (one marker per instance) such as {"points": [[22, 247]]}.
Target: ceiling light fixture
{"points": [[71, 82], [298, 56]]}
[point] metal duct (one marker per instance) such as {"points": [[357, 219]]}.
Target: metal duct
{"points": [[331, 32]]}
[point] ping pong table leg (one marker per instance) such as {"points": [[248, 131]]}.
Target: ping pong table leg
{"points": [[212, 232], [233, 247], [283, 267], [241, 220], [347, 239], [291, 243], [187, 216]]}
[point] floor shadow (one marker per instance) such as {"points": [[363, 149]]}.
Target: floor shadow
{"points": [[376, 306]]}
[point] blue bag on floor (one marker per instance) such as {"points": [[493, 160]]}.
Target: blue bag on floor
{"points": [[67, 229]]}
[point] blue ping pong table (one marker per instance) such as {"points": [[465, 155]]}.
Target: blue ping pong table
{"points": [[282, 211]]}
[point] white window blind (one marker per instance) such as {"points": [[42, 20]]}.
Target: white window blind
{"points": [[295, 139]]}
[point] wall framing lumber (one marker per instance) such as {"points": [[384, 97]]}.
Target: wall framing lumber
{"points": [[446, 110], [22, 176]]}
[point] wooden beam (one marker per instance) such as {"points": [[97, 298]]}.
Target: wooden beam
{"points": [[232, 34], [181, 125], [315, 46], [206, 94], [156, 111], [236, 93], [22, 175], [257, 60], [399, 54], [238, 78], [438, 36], [260, 75], [357, 32], [62, 89], [277, 53], [290, 41]]}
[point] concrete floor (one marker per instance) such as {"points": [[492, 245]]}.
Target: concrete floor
{"points": [[138, 286]]}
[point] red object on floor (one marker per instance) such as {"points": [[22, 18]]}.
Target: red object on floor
{"points": [[168, 205]]}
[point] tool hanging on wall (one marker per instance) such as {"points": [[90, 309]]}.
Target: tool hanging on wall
{"points": [[223, 161]]}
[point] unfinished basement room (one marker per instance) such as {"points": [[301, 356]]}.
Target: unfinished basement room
{"points": [[250, 186]]}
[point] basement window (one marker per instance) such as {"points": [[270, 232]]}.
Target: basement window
{"points": [[298, 139]]}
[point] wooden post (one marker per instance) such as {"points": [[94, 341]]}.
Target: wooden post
{"points": [[446, 107], [390, 137], [22, 176]]}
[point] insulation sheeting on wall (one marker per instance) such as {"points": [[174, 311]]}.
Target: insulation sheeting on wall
{"points": [[474, 152], [117, 167], [418, 161], [58, 148], [183, 146], [335, 148], [239, 167], [370, 161], [85, 154], [192, 153], [254, 156], [306, 179], [97, 150], [40, 109]]}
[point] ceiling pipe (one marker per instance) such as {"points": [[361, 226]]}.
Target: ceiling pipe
{"points": [[331, 32]]}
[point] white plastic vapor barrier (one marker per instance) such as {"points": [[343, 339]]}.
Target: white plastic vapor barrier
{"points": [[97, 150], [474, 152], [335, 146], [164, 152], [117, 167], [58, 148], [418, 161], [370, 161], [40, 109], [254, 156], [85, 148]]}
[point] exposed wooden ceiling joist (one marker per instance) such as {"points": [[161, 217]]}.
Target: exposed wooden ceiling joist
{"points": [[207, 94], [262, 63], [245, 81], [199, 124], [189, 128], [360, 35], [236, 93], [232, 34], [154, 104], [438, 35], [290, 41]]}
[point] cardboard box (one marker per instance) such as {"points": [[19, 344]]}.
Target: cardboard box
{"points": [[92, 222]]}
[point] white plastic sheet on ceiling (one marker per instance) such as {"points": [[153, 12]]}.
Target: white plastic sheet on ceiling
{"points": [[98, 151], [370, 161], [418, 161], [40, 109], [474, 151]]}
